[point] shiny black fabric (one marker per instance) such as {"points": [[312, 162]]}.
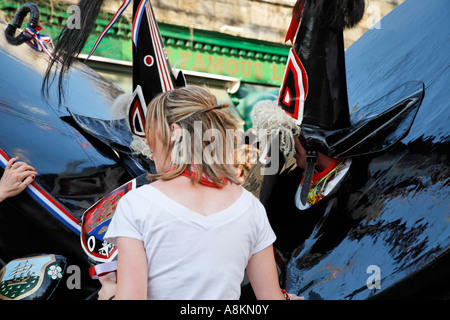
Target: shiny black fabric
{"points": [[391, 210], [73, 168], [321, 51], [327, 124]]}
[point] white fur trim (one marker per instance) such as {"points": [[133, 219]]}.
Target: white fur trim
{"points": [[270, 119], [138, 145]]}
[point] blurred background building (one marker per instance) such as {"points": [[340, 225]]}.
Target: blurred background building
{"points": [[236, 47]]}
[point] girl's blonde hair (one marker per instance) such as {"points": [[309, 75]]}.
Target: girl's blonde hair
{"points": [[190, 108]]}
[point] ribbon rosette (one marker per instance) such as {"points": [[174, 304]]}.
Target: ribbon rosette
{"points": [[38, 41]]}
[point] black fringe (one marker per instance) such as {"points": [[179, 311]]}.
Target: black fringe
{"points": [[69, 44], [298, 10], [338, 14]]}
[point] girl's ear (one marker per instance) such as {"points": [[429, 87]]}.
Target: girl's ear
{"points": [[174, 132]]}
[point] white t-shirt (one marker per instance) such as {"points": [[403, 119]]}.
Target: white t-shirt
{"points": [[191, 256]]}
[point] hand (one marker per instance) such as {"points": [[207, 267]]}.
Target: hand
{"points": [[109, 286], [17, 176]]}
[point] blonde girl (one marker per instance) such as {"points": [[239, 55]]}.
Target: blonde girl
{"points": [[193, 232]]}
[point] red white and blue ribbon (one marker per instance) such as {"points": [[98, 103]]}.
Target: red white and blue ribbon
{"points": [[47, 201], [137, 21], [102, 269], [38, 41], [161, 55], [295, 22], [116, 17]]}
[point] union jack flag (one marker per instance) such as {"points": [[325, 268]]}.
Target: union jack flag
{"points": [[38, 41]]}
